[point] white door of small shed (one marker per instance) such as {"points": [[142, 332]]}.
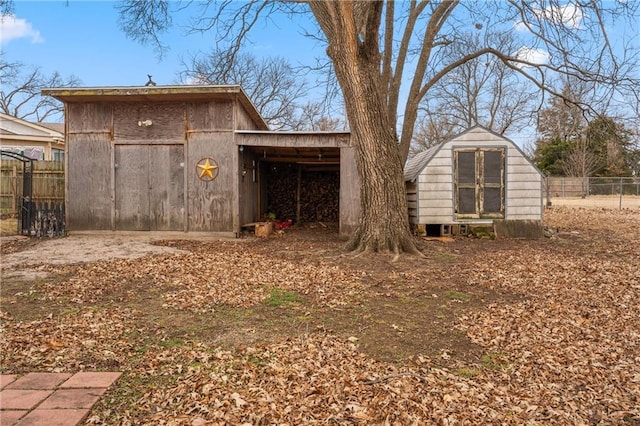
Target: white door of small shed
{"points": [[479, 183]]}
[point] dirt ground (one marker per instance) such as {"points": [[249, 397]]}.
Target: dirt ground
{"points": [[28, 262], [291, 329]]}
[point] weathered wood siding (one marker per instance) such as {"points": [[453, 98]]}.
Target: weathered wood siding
{"points": [[215, 116], [212, 205], [243, 120], [126, 176], [132, 188], [167, 123], [301, 140], [349, 191], [523, 182], [167, 195], [412, 200], [89, 167], [248, 187], [149, 187]]}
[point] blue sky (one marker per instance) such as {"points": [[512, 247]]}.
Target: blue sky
{"points": [[82, 38]]}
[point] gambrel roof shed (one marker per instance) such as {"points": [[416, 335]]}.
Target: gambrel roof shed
{"points": [[475, 177]]}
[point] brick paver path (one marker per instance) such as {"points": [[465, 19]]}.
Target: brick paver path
{"points": [[51, 399]]}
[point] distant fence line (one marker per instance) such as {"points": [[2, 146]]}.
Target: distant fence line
{"points": [[609, 192], [48, 184], [582, 187]]}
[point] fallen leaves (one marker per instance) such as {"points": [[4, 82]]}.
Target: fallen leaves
{"points": [[86, 339], [564, 349], [224, 273]]}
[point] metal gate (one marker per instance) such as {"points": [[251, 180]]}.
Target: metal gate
{"points": [[36, 219]]}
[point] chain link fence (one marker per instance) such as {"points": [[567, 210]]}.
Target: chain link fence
{"points": [[606, 192]]}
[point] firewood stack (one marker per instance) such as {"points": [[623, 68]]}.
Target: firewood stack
{"points": [[319, 194]]}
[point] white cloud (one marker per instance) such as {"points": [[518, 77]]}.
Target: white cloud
{"points": [[12, 28], [569, 15], [532, 55], [520, 26]]}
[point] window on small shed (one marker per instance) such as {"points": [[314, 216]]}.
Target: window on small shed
{"points": [[479, 183]]}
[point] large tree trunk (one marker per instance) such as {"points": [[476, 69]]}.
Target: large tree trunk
{"points": [[384, 222]]}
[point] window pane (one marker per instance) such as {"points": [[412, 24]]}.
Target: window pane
{"points": [[493, 166], [492, 200], [466, 200], [466, 167]]}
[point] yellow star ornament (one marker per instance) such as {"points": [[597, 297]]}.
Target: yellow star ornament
{"points": [[207, 169]]}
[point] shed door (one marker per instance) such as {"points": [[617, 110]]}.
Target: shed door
{"points": [[149, 188], [479, 183]]}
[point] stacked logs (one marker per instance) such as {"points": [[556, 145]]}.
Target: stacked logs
{"points": [[319, 193]]}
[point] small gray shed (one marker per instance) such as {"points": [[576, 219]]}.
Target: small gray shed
{"points": [[475, 178]]}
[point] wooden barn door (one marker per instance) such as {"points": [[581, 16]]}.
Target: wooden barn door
{"points": [[479, 183], [149, 187]]}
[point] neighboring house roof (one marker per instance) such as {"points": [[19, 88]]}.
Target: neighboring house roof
{"points": [[26, 130], [56, 127], [158, 93], [35, 140]]}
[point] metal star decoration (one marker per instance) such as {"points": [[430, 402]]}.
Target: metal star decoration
{"points": [[207, 169]]}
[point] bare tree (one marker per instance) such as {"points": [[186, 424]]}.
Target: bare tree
{"points": [[312, 117], [581, 160], [432, 129], [273, 84], [376, 47], [482, 91], [20, 92], [563, 118]]}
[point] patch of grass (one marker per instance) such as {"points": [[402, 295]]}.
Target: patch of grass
{"points": [[494, 361], [467, 372], [456, 295], [170, 343], [444, 256], [70, 311], [279, 297], [141, 350]]}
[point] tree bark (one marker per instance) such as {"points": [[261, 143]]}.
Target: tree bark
{"points": [[353, 49]]}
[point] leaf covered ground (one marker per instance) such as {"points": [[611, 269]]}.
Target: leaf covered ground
{"points": [[290, 330]]}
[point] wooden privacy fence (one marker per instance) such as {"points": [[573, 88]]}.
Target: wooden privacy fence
{"points": [[48, 185], [33, 191]]}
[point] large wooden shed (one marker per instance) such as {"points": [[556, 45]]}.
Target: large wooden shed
{"points": [[196, 159], [475, 178]]}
